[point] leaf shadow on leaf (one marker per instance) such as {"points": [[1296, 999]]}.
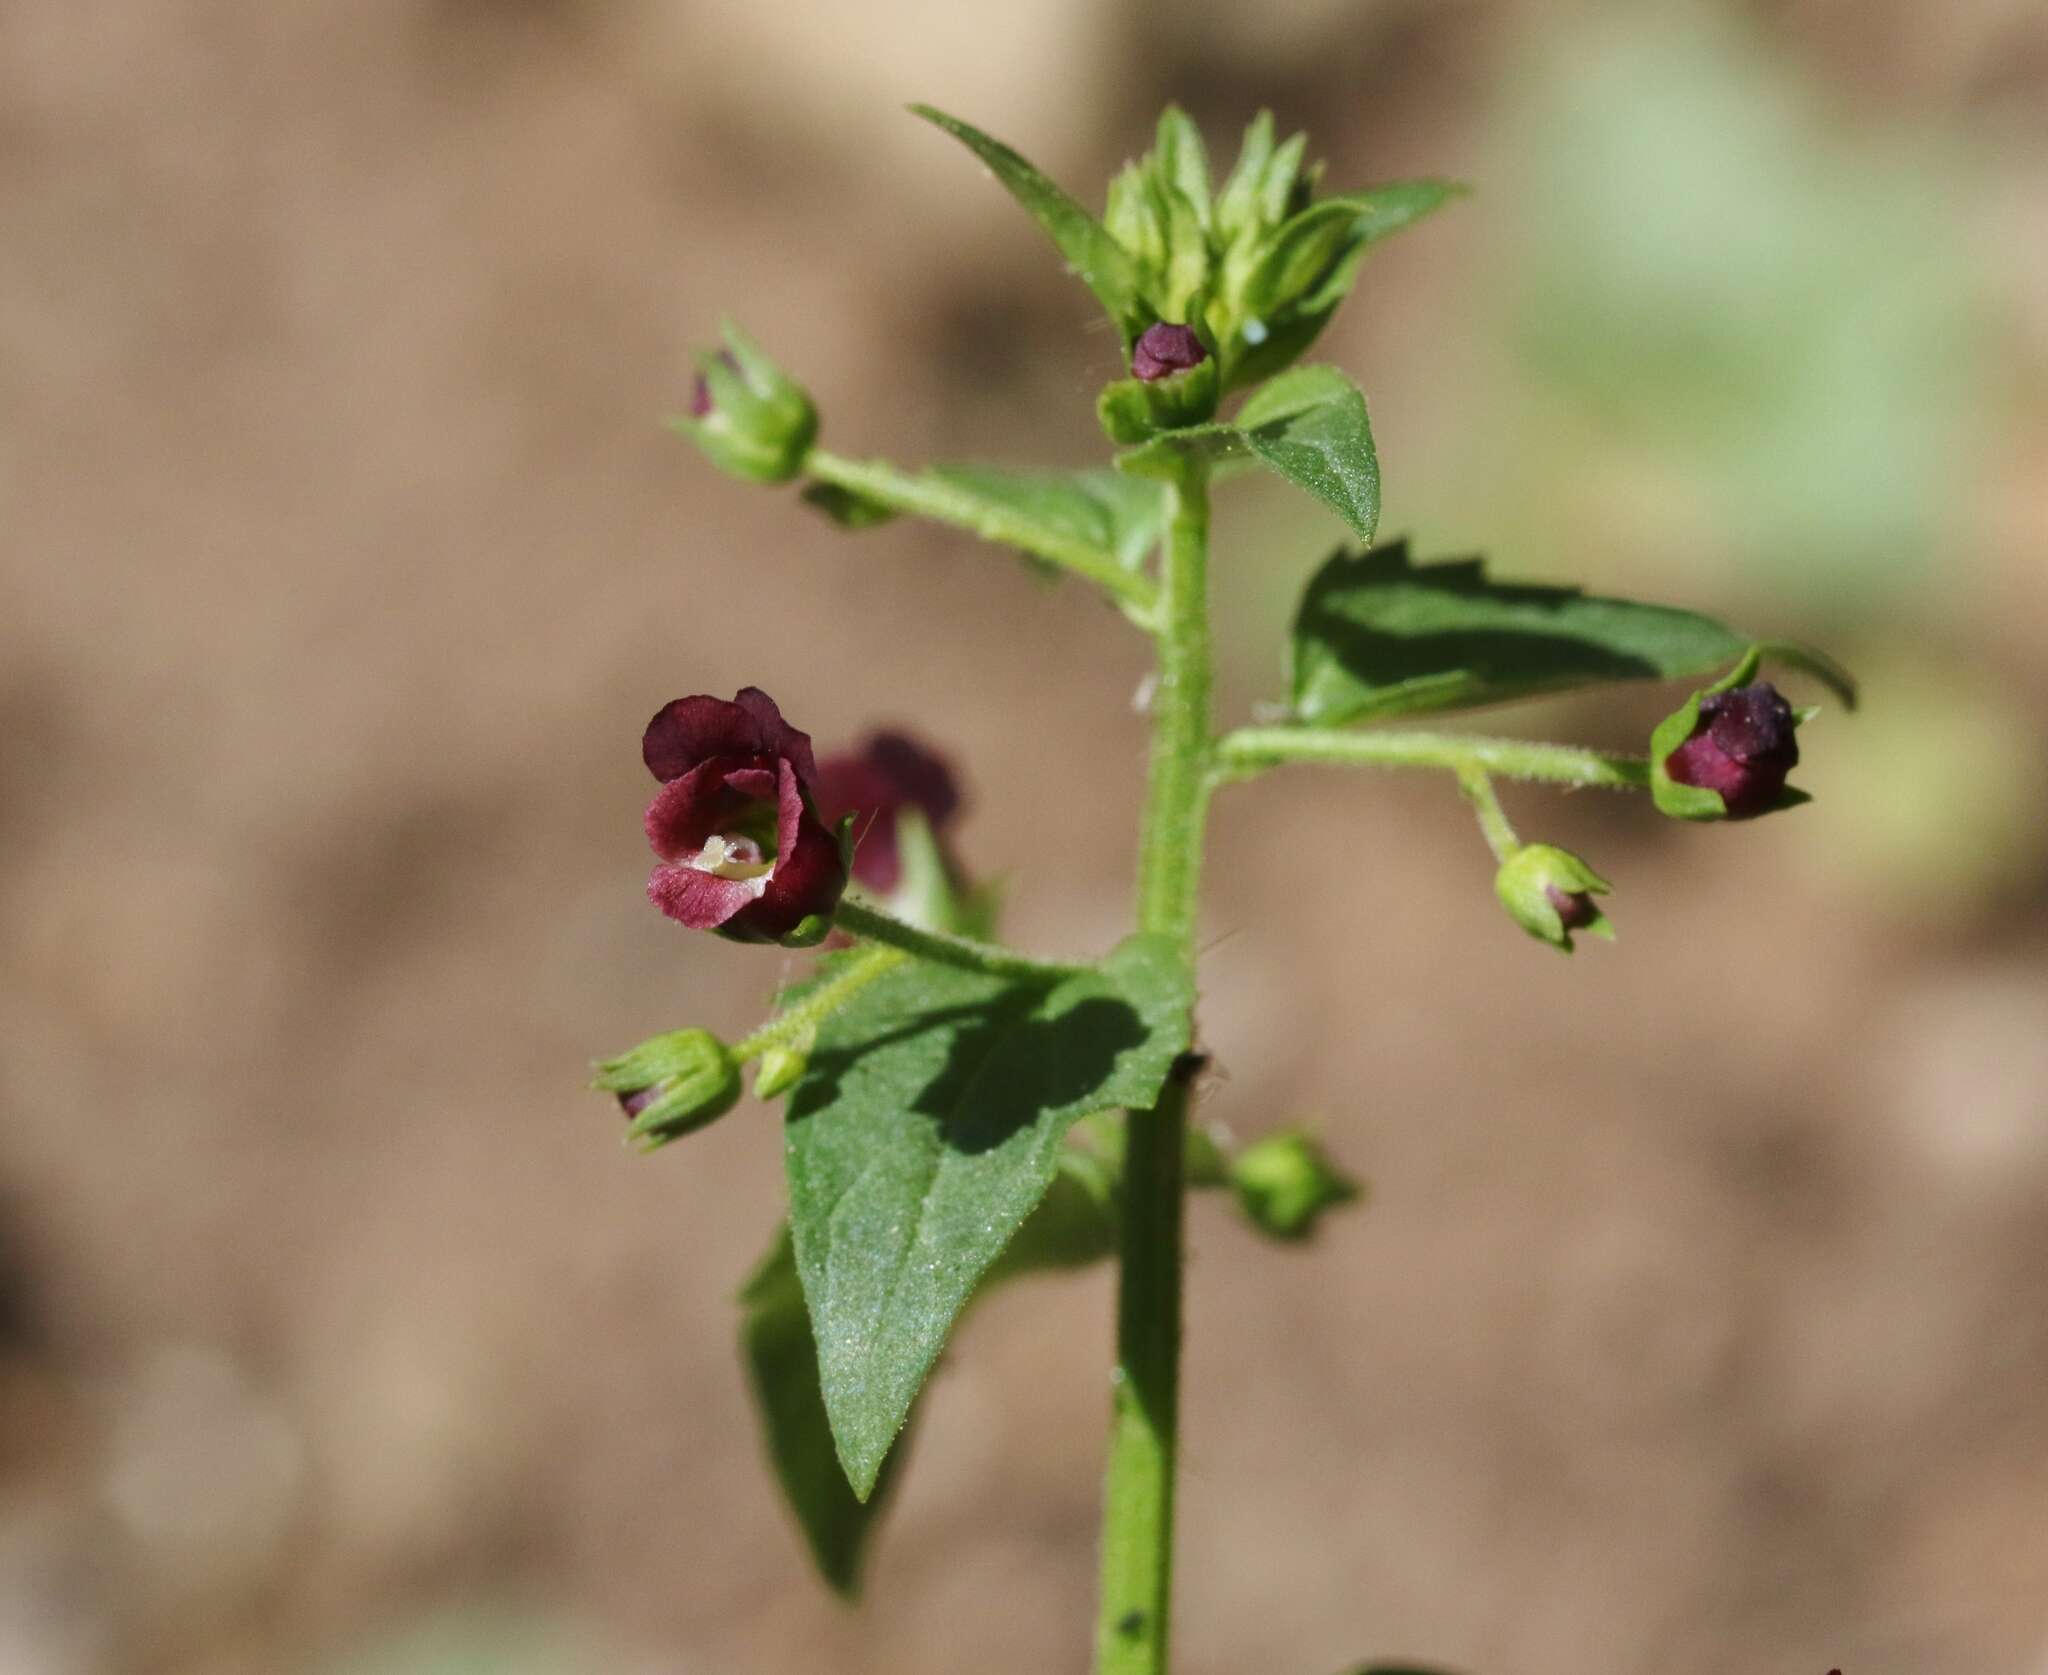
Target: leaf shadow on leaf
{"points": [[1494, 655], [1039, 1047]]}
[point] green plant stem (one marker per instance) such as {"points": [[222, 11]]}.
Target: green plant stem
{"points": [[1252, 750], [922, 495], [943, 948], [795, 1022], [1493, 819], [1137, 1530]]}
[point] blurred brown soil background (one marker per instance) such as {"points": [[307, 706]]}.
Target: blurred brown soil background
{"points": [[1699, 1321]]}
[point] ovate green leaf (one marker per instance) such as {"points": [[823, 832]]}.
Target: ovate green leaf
{"points": [[1379, 635], [782, 1367], [1074, 1225], [1310, 425], [927, 1127]]}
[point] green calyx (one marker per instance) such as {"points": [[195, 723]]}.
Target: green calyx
{"points": [[1286, 1182], [1134, 410], [1548, 892], [1693, 802], [751, 419], [672, 1085]]}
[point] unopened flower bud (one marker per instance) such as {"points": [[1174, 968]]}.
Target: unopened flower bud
{"points": [[672, 1085], [1164, 349], [1173, 384], [747, 414], [1549, 892], [780, 1069], [1285, 1183], [1741, 747]]}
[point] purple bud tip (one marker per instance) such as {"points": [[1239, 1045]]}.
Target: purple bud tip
{"points": [[1742, 746], [1574, 907], [634, 1103], [700, 399], [1163, 350]]}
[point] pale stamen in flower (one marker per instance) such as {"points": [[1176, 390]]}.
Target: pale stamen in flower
{"points": [[732, 857]]}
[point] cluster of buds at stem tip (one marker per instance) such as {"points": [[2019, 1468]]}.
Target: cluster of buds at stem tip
{"points": [[748, 415], [1549, 892], [672, 1085], [1726, 752], [1257, 265]]}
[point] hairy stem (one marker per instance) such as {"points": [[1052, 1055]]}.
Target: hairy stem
{"points": [[1252, 750], [923, 495], [796, 1022], [1493, 819], [943, 948], [1137, 1531]]}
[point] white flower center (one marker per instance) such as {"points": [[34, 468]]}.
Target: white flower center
{"points": [[738, 858]]}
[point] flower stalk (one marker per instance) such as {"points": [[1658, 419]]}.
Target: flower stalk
{"points": [[1251, 751]]}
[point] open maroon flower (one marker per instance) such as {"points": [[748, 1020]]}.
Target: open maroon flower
{"points": [[885, 775], [743, 850], [1164, 349], [1742, 746]]}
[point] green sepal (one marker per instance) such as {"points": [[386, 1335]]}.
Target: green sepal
{"points": [[761, 423], [1134, 410], [808, 932], [694, 1077], [1093, 256], [1277, 295], [1285, 1183], [1524, 883], [1237, 204], [1181, 161], [1696, 802]]}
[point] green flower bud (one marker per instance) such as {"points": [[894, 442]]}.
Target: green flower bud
{"points": [[672, 1085], [748, 415], [1286, 1182], [1549, 892], [780, 1068]]}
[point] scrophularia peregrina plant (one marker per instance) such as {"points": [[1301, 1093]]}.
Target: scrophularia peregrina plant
{"points": [[958, 1113]]}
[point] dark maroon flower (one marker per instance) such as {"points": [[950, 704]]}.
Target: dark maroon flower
{"points": [[743, 850], [700, 387], [885, 775], [1576, 908], [1163, 350], [1742, 746]]}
